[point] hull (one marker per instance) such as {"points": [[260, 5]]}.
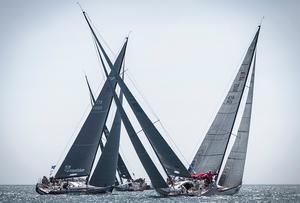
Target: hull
{"points": [[229, 191], [222, 191], [131, 186], [181, 188], [42, 190], [191, 188]]}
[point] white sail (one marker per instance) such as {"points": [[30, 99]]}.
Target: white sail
{"points": [[211, 152], [232, 174]]}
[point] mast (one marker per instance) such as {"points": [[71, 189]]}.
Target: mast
{"points": [[211, 153], [90, 90], [117, 64]]}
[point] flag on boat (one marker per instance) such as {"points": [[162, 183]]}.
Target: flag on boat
{"points": [[52, 170]]}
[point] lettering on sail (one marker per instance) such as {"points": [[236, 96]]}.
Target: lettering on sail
{"points": [[68, 169], [236, 87], [229, 99], [242, 76], [98, 105]]}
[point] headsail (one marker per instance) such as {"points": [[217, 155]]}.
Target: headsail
{"points": [[212, 150], [80, 158], [122, 169], [116, 128], [232, 174], [154, 175], [105, 171]]}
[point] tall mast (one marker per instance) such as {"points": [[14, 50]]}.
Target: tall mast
{"points": [[117, 64], [90, 90]]}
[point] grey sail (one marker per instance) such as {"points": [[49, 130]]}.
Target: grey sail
{"points": [[80, 158], [105, 171], [212, 150], [166, 155], [122, 169], [153, 173], [232, 174], [116, 128]]}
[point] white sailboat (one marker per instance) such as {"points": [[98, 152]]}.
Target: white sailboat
{"points": [[211, 154]]}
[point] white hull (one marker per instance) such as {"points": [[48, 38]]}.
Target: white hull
{"points": [[180, 189], [46, 190]]}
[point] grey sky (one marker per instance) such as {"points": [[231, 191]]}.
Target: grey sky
{"points": [[182, 54]]}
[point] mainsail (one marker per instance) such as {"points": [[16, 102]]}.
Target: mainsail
{"points": [[153, 173], [122, 169], [80, 158], [232, 174], [116, 128], [105, 171], [166, 155], [212, 150]]}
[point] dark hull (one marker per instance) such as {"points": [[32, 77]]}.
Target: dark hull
{"points": [[83, 190]]}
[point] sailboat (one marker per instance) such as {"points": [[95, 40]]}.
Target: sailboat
{"points": [[75, 173], [211, 153]]}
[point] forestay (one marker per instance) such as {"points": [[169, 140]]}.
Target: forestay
{"points": [[232, 174], [211, 152]]}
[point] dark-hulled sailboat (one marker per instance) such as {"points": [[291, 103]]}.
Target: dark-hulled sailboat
{"points": [[74, 175], [210, 156]]}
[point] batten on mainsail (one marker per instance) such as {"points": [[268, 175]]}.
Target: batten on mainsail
{"points": [[79, 159], [233, 171], [210, 155]]}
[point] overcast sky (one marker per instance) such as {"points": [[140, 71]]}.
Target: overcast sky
{"points": [[183, 56]]}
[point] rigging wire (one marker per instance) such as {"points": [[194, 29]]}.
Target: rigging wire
{"points": [[133, 81], [75, 131], [102, 38]]}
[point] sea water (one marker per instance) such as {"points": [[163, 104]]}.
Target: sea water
{"points": [[248, 193]]}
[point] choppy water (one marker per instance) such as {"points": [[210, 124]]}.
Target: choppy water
{"points": [[248, 193]]}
